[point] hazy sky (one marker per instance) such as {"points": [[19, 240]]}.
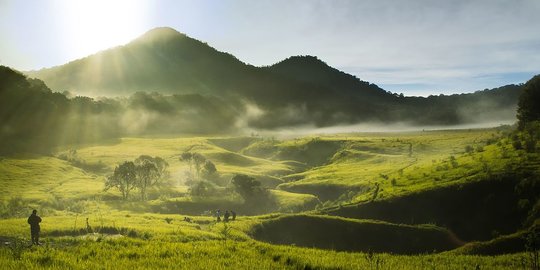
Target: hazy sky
{"points": [[418, 47]]}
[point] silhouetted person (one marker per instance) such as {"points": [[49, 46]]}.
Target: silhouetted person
{"points": [[218, 215], [233, 215], [34, 221], [88, 227], [226, 216]]}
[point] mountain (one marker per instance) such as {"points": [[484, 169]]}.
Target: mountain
{"points": [[310, 69], [161, 60], [300, 90]]}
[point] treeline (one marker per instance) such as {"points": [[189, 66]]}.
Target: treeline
{"points": [[35, 119]]}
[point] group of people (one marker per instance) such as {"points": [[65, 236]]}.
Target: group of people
{"points": [[229, 214]]}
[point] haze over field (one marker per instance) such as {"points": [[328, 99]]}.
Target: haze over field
{"points": [[269, 135]]}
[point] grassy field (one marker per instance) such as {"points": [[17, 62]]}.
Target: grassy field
{"points": [[225, 254], [371, 184], [152, 242]]}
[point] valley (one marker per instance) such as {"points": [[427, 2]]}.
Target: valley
{"points": [[431, 191]]}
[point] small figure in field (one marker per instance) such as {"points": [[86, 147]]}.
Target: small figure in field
{"points": [[233, 215], [226, 216], [187, 219], [34, 221], [88, 227], [218, 215]]}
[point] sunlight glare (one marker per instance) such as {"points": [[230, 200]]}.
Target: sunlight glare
{"points": [[91, 26]]}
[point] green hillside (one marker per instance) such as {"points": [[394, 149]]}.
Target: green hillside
{"points": [[395, 193]]}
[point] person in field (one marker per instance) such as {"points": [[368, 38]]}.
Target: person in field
{"points": [[226, 216], [88, 227], [34, 221], [218, 215], [233, 215]]}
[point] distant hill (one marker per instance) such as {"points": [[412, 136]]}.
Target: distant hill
{"points": [[300, 90], [310, 69]]}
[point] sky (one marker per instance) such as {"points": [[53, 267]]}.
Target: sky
{"points": [[415, 47]]}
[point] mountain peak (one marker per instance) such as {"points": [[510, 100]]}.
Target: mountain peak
{"points": [[302, 59], [160, 33]]}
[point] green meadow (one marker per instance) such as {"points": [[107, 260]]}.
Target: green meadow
{"points": [[445, 199]]}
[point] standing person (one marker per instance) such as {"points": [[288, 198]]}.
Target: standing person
{"points": [[88, 227], [233, 215], [218, 215], [34, 221], [226, 216]]}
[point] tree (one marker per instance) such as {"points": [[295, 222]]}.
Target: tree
{"points": [[187, 157], [194, 159], [162, 166], [529, 103], [246, 186], [124, 179], [202, 188], [199, 160], [149, 172], [209, 169]]}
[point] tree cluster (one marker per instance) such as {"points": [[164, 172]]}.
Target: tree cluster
{"points": [[529, 103], [249, 189], [141, 174], [205, 179], [528, 114]]}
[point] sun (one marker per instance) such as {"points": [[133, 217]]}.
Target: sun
{"points": [[91, 26]]}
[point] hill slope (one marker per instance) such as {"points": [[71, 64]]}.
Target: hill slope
{"points": [[161, 60]]}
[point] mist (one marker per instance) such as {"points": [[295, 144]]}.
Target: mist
{"points": [[311, 130]]}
